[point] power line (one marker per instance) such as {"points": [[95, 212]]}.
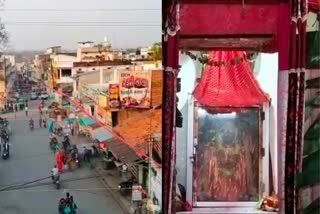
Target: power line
{"points": [[82, 25], [79, 10], [80, 22]]}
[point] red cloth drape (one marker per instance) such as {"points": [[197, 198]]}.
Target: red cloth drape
{"points": [[293, 148], [314, 5], [229, 82], [170, 60]]}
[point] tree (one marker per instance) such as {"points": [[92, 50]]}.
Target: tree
{"points": [[4, 37], [156, 51]]}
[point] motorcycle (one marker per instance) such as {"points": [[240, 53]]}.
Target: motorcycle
{"points": [[31, 126], [62, 207], [6, 151], [125, 187], [58, 131]]}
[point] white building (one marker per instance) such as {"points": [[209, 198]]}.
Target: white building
{"points": [[101, 73], [89, 52], [11, 59], [63, 64]]}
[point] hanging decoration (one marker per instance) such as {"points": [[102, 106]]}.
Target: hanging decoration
{"points": [[205, 60], [231, 84]]}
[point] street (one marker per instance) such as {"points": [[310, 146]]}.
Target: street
{"points": [[31, 159]]}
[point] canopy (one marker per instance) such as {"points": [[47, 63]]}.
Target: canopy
{"points": [[101, 134], [122, 151], [69, 120], [229, 82], [86, 121]]}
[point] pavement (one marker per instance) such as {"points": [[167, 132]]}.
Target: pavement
{"points": [[32, 159]]}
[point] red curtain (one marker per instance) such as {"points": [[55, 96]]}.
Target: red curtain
{"points": [[229, 82], [170, 60]]}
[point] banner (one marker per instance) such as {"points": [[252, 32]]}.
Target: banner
{"points": [[103, 116], [102, 101], [114, 102], [135, 89]]}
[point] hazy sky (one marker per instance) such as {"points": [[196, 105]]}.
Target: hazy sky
{"points": [[24, 21]]}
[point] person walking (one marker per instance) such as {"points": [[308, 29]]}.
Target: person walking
{"points": [[40, 122], [44, 122], [72, 128], [26, 110]]}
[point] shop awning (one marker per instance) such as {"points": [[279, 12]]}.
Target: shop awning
{"points": [[69, 120], [86, 121], [228, 81], [101, 134], [122, 151]]}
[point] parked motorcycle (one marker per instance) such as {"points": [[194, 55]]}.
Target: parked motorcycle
{"points": [[125, 187]]}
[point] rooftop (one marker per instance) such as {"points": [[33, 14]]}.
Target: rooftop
{"points": [[102, 63]]}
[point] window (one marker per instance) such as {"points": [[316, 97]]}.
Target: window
{"points": [[66, 72]]}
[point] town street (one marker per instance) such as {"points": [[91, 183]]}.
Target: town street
{"points": [[31, 159]]}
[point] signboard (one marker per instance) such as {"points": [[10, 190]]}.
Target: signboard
{"points": [[102, 102], [135, 89], [136, 193], [103, 115], [114, 96]]}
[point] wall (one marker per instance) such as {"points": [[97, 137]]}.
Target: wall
{"points": [[189, 71], [266, 71]]}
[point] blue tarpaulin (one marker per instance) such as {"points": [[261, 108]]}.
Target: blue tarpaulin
{"points": [[86, 121], [101, 134]]}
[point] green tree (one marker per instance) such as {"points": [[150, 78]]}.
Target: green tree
{"points": [[4, 37], [156, 51]]}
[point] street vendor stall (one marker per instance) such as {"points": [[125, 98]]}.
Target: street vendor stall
{"points": [[86, 126]]}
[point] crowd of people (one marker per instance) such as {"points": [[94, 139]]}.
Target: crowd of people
{"points": [[67, 205]]}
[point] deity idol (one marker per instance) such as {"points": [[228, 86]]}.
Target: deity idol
{"points": [[227, 166]]}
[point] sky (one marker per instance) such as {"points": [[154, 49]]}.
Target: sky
{"points": [[37, 24]]}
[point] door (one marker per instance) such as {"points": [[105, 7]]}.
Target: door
{"points": [[227, 167]]}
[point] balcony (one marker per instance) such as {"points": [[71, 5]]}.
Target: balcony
{"points": [[66, 79]]}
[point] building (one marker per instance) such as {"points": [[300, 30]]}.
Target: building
{"points": [[96, 73], [88, 52], [41, 67], [11, 59], [61, 70], [3, 94]]}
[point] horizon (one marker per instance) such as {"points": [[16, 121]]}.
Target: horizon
{"points": [[38, 24]]}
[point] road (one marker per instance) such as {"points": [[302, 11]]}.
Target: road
{"points": [[31, 159]]}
